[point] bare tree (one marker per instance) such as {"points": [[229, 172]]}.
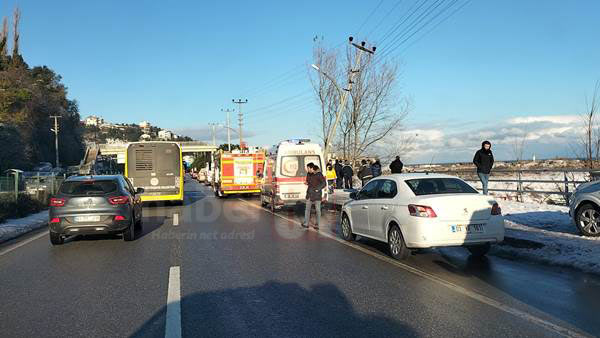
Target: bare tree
{"points": [[590, 138], [518, 146], [4, 38], [324, 86], [397, 144], [16, 19], [373, 111]]}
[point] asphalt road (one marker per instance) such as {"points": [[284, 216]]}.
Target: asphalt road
{"points": [[226, 267]]}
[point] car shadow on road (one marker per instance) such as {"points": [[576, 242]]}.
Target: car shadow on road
{"points": [[275, 309], [149, 225]]}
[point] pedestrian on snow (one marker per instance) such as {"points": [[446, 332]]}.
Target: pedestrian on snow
{"points": [[365, 173], [396, 166], [339, 182], [376, 168], [347, 173], [316, 183], [484, 161], [331, 175]]}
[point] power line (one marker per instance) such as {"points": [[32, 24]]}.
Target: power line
{"points": [[384, 18], [240, 117], [401, 21], [369, 17]]}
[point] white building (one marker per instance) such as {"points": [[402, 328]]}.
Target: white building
{"points": [[165, 135], [145, 137], [93, 121], [144, 124]]}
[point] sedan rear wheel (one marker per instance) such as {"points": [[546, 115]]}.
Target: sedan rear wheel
{"points": [[588, 220], [479, 251], [397, 246], [347, 229]]}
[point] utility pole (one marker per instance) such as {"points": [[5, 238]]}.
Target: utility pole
{"points": [[354, 70], [240, 118], [214, 132], [55, 130], [228, 128]]}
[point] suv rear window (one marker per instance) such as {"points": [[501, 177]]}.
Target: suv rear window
{"points": [[435, 186], [88, 187]]}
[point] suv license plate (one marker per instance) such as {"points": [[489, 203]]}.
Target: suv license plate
{"points": [[87, 219]]}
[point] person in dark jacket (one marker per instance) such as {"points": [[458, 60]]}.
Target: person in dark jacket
{"points": [[376, 168], [339, 181], [396, 166], [364, 173], [347, 173], [484, 161], [314, 193]]}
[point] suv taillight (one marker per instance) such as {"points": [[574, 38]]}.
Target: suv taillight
{"points": [[496, 210], [421, 211], [118, 200], [57, 202]]}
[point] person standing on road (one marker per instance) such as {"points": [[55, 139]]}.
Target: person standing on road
{"points": [[347, 173], [331, 176], [364, 173], [376, 168], [339, 182], [396, 166], [484, 161], [314, 194]]}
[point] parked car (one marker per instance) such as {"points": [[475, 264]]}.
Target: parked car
{"points": [[584, 208], [202, 175], [95, 205], [410, 211]]}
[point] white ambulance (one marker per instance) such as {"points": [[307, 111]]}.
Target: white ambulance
{"points": [[284, 173]]}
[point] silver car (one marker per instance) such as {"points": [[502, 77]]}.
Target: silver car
{"points": [[104, 204], [584, 208]]}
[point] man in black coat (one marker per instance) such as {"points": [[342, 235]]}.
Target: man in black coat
{"points": [[314, 193], [396, 166], [484, 161], [347, 173], [339, 181], [365, 173]]}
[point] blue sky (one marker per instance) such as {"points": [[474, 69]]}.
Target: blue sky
{"points": [[176, 64]]}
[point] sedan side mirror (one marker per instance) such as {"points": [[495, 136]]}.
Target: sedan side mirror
{"points": [[353, 195], [139, 190]]}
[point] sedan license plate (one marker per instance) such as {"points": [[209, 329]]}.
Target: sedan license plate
{"points": [[468, 228], [291, 195], [80, 219]]}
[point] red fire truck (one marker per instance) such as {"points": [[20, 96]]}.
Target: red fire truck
{"points": [[237, 172]]}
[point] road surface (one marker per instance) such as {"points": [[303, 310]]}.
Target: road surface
{"points": [[227, 267]]}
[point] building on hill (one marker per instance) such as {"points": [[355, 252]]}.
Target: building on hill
{"points": [[93, 120], [165, 135]]}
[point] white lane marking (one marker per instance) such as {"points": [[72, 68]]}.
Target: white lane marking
{"points": [[175, 219], [20, 244], [173, 320], [471, 294]]}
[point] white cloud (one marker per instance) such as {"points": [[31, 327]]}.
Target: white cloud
{"points": [[556, 119]]}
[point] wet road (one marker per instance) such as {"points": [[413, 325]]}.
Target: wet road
{"points": [[227, 267]]}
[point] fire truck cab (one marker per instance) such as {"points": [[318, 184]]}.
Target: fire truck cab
{"points": [[284, 173]]}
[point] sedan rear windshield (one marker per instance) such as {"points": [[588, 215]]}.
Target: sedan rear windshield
{"points": [[88, 187], [435, 186]]}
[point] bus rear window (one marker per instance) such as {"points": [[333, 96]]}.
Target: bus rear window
{"points": [[436, 186], [88, 187]]}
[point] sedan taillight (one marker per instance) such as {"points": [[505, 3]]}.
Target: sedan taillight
{"points": [[118, 200], [421, 211], [496, 210], [55, 220], [57, 202]]}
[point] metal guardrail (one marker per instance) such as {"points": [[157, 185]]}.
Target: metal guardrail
{"points": [[468, 173]]}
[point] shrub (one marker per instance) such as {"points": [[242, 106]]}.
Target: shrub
{"points": [[24, 206]]}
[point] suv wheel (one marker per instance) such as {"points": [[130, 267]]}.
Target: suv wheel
{"points": [[56, 239], [138, 224], [129, 234], [398, 249], [588, 220]]}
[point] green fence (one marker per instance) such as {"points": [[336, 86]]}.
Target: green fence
{"points": [[7, 184]]}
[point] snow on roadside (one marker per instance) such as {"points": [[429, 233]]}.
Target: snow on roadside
{"points": [[12, 228], [551, 226]]}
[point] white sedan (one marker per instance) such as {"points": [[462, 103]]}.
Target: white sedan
{"points": [[410, 211]]}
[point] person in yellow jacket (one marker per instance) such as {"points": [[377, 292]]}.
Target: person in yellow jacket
{"points": [[331, 176]]}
